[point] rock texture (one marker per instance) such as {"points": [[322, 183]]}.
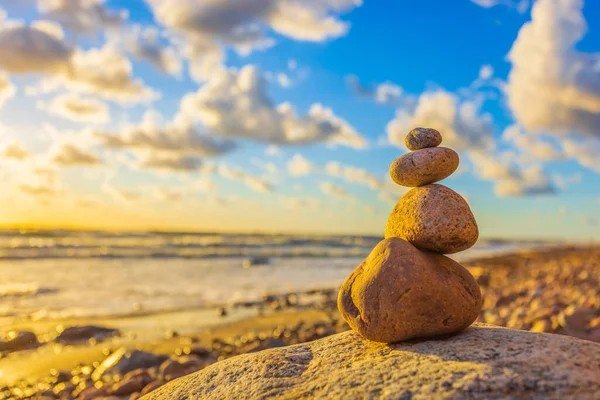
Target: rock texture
{"points": [[483, 362], [400, 293], [434, 218], [420, 138], [422, 167]]}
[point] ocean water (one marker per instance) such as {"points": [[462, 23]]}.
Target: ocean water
{"points": [[49, 274]]}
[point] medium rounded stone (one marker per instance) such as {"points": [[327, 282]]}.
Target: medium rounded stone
{"points": [[425, 166], [420, 138], [400, 293], [433, 218]]}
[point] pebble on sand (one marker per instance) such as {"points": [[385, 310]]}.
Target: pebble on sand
{"points": [[420, 138], [423, 167], [433, 218], [400, 292]]}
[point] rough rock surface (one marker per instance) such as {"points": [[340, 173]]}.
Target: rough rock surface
{"points": [[434, 218], [422, 167], [482, 362], [420, 138], [400, 292]]}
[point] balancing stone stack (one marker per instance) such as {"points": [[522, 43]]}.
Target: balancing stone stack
{"points": [[407, 288]]}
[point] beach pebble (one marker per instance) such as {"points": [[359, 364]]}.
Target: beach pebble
{"points": [[18, 341], [421, 138], [422, 167], [433, 218], [128, 386], [170, 369], [75, 334], [400, 292], [123, 361]]}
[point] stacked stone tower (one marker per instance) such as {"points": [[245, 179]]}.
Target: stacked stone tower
{"points": [[407, 288]]}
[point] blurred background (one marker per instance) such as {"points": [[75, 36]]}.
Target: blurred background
{"points": [[162, 156]]}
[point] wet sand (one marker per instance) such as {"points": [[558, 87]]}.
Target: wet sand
{"points": [[553, 290]]}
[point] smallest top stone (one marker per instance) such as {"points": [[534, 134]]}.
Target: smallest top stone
{"points": [[421, 138]]}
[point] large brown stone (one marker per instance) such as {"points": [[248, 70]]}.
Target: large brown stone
{"points": [[433, 218], [400, 293], [482, 362], [422, 167]]}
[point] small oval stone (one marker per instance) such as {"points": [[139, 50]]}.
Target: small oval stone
{"points": [[434, 218], [425, 166], [421, 138], [400, 293]]}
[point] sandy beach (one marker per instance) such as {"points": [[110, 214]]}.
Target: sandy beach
{"points": [[554, 290]]}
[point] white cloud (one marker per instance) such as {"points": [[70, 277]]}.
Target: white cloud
{"points": [[170, 162], [29, 50], [386, 93], [512, 179], [149, 134], [144, 44], [552, 87], [15, 152], [299, 166], [235, 104], [461, 123], [209, 28], [330, 189], [584, 150], [69, 155], [353, 174], [255, 183], [102, 72], [77, 108], [273, 150], [535, 146], [520, 5], [7, 89], [82, 16]]}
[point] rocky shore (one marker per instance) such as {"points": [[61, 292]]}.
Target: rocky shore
{"points": [[553, 291]]}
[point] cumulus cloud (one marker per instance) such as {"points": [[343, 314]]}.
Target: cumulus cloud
{"points": [[353, 174], [15, 152], [101, 72], [173, 163], [209, 28], [25, 49], [235, 104], [69, 155], [150, 135], [553, 87], [255, 183], [82, 16], [7, 89], [534, 146], [145, 44], [461, 123], [77, 108], [386, 93], [330, 189], [299, 166], [584, 150], [512, 179]]}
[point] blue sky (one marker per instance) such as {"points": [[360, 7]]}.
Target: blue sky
{"points": [[513, 86]]}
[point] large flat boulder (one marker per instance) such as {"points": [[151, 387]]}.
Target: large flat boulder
{"points": [[483, 362]]}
